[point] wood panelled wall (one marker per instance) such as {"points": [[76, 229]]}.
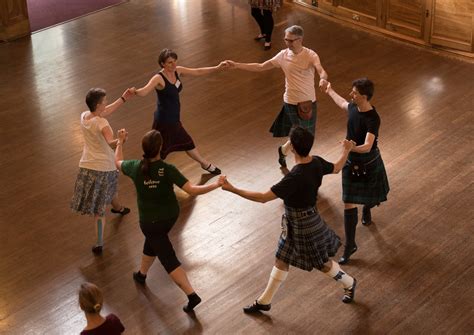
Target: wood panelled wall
{"points": [[436, 23], [13, 19]]}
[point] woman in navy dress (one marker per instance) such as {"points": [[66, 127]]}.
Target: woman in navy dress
{"points": [[167, 119]]}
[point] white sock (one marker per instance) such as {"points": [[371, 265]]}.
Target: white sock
{"points": [[337, 274], [277, 277], [285, 148], [210, 168]]}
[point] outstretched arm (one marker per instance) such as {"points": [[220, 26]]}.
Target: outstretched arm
{"points": [[250, 195], [200, 70], [192, 189], [109, 109], [155, 81], [340, 101], [253, 67]]}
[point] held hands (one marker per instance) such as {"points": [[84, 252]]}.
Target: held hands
{"points": [[128, 94], [328, 88], [122, 135], [222, 65], [227, 186], [230, 64], [348, 145], [221, 180], [323, 85]]}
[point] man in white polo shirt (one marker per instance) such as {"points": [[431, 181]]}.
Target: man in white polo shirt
{"points": [[299, 64]]}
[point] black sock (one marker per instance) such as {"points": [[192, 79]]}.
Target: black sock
{"points": [[194, 300], [350, 223]]}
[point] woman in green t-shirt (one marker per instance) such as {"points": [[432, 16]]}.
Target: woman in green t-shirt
{"points": [[158, 207]]}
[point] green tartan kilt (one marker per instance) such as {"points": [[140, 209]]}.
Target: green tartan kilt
{"points": [[369, 190], [288, 118]]}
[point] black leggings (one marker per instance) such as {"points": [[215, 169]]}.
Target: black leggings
{"points": [[157, 242], [264, 19]]}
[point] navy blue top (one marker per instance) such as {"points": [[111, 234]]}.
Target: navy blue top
{"points": [[299, 188], [168, 106], [361, 123]]}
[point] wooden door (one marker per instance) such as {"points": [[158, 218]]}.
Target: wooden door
{"points": [[406, 17], [452, 24], [14, 21]]}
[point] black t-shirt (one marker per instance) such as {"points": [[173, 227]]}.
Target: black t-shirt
{"points": [[361, 123], [299, 188]]}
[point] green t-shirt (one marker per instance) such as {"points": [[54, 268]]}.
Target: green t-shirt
{"points": [[155, 197]]}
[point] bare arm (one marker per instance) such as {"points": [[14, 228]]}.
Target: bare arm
{"points": [[364, 148], [340, 101], [200, 70], [155, 81], [192, 189], [121, 137], [347, 146], [323, 76], [109, 109], [109, 136], [250, 195], [253, 67]]}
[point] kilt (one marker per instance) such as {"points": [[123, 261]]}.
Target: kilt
{"points": [[93, 191], [306, 242], [288, 118], [175, 138], [370, 190]]}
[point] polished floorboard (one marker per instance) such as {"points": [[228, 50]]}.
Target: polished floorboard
{"points": [[414, 265]]}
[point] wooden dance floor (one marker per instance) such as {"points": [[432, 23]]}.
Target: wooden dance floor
{"points": [[414, 265]]}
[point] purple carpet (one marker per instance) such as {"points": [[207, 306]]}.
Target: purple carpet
{"points": [[47, 13]]}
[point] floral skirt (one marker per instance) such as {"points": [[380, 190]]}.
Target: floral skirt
{"points": [[265, 4], [94, 190]]}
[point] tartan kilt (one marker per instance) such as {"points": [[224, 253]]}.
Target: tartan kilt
{"points": [[306, 242], [370, 190], [288, 118]]}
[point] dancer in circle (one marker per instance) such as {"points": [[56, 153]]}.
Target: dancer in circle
{"points": [[262, 11], [167, 85], [299, 65], [96, 183], [364, 180], [306, 242], [91, 302], [158, 208]]}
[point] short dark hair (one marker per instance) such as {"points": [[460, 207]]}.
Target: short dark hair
{"points": [[364, 86], [93, 98], [301, 140], [165, 54], [151, 145]]}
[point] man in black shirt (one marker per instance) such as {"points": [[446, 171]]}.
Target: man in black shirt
{"points": [[306, 241], [364, 180]]}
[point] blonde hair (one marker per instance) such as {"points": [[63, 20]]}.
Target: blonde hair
{"points": [[90, 298]]}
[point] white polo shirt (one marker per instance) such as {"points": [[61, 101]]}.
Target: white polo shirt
{"points": [[299, 74]]}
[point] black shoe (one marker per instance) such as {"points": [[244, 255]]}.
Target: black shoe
{"points": [[267, 46], [97, 250], [281, 157], [349, 293], [347, 255], [366, 216], [194, 300], [213, 170], [123, 211], [256, 307], [139, 277]]}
